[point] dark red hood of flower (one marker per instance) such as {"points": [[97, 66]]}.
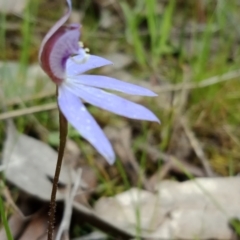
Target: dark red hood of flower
{"points": [[58, 48]]}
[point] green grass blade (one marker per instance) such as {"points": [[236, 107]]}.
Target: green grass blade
{"points": [[132, 22], [3, 36], [151, 20], [123, 174], [27, 32], [204, 50], [166, 27], [4, 221]]}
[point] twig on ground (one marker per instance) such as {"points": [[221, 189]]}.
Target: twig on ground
{"points": [[175, 162], [163, 171], [171, 163], [65, 223], [205, 83], [37, 96], [30, 110], [90, 217], [197, 147], [9, 199]]}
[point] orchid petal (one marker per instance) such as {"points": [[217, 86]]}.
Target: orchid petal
{"points": [[77, 65], [65, 46], [112, 84], [111, 102], [55, 27], [77, 114]]}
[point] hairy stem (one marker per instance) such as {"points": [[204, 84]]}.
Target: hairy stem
{"points": [[63, 136]]}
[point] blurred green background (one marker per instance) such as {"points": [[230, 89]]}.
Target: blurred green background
{"points": [[187, 51]]}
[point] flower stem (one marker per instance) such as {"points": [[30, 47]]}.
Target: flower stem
{"points": [[52, 208]]}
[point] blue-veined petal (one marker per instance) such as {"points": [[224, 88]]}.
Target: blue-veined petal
{"points": [[111, 102], [78, 116], [112, 84], [82, 63]]}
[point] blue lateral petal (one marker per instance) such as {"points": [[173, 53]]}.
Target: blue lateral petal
{"points": [[111, 102], [78, 116], [112, 84], [77, 65]]}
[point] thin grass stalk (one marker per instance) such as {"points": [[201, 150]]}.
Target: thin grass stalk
{"points": [[5, 221]]}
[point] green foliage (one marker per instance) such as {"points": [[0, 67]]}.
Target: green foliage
{"points": [[4, 220], [158, 25], [27, 31]]}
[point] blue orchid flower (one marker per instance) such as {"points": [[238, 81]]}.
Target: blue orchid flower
{"points": [[65, 60]]}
